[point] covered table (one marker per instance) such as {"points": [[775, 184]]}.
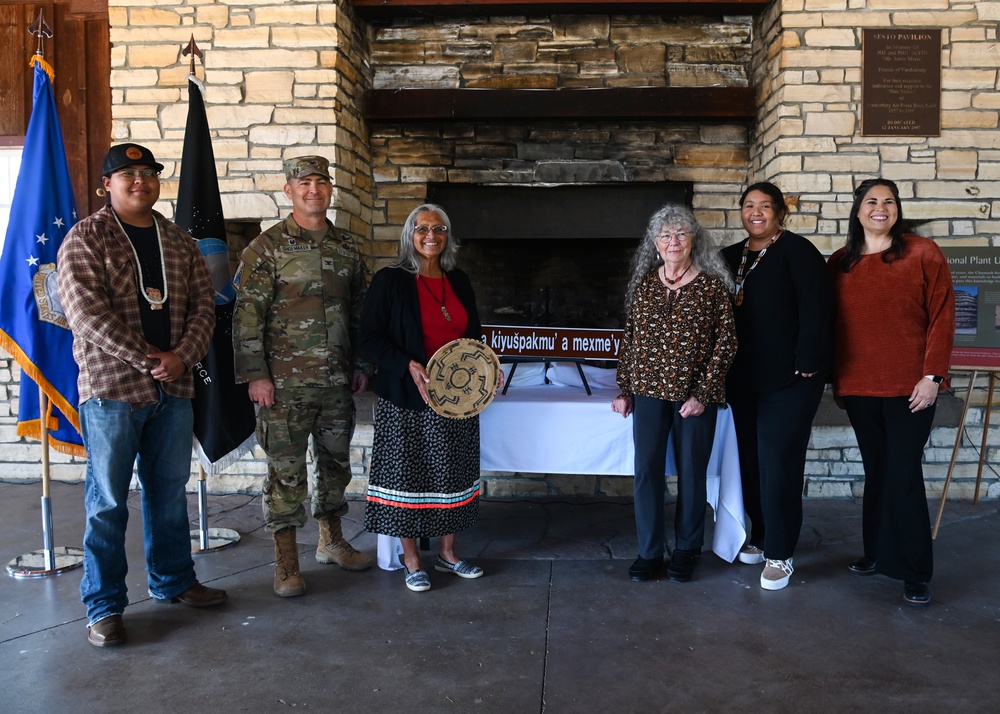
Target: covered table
{"points": [[563, 430]]}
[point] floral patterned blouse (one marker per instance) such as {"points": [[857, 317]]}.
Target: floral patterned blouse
{"points": [[678, 346]]}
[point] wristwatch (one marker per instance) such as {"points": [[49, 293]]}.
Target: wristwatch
{"points": [[934, 378]]}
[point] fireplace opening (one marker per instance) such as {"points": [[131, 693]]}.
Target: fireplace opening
{"points": [[552, 255]]}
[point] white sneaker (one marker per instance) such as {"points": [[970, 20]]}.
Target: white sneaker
{"points": [[776, 574], [751, 555]]}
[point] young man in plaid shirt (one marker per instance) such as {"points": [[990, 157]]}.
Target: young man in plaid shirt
{"points": [[140, 303]]}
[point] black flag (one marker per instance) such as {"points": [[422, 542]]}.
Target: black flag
{"points": [[223, 415]]}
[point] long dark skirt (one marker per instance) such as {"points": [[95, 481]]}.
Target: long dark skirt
{"points": [[424, 478]]}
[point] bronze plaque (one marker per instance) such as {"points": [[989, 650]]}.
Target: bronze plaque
{"points": [[901, 82], [553, 342]]}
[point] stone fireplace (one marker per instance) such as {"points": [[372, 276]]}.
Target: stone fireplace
{"points": [[552, 254], [542, 103]]}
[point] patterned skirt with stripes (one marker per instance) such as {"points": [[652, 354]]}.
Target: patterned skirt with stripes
{"points": [[424, 478]]}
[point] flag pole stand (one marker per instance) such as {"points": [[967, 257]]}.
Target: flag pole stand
{"points": [[49, 560], [205, 539]]}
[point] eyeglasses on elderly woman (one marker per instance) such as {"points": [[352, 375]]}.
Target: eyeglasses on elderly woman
{"points": [[424, 230], [667, 237]]}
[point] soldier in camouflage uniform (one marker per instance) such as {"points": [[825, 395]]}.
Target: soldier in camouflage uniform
{"points": [[301, 289]]}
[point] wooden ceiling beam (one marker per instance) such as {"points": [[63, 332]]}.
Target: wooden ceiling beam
{"points": [[385, 9], [713, 103]]}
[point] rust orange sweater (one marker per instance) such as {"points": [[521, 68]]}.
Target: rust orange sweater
{"points": [[894, 322]]}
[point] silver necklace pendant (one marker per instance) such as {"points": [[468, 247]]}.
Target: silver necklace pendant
{"points": [[444, 311]]}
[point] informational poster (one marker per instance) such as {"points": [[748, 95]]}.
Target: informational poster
{"points": [[975, 273], [901, 82]]}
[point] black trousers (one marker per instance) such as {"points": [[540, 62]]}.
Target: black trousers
{"points": [[653, 421], [896, 524], [772, 434]]}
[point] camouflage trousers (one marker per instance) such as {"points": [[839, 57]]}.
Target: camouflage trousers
{"points": [[326, 413]]}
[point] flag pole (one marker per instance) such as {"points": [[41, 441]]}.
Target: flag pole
{"points": [[43, 408], [205, 539], [50, 560]]}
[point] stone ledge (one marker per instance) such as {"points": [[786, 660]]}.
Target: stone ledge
{"points": [[453, 105]]}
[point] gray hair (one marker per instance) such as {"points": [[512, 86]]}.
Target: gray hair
{"points": [[408, 258], [704, 252]]}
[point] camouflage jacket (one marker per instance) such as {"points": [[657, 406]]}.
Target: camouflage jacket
{"points": [[298, 308]]}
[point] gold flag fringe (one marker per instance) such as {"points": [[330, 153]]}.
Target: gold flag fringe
{"points": [[33, 428], [37, 59]]}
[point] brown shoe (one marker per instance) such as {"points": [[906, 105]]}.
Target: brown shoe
{"points": [[334, 548], [108, 632], [288, 581], [200, 596]]}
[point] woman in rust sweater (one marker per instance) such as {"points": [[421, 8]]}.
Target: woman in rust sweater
{"points": [[895, 325]]}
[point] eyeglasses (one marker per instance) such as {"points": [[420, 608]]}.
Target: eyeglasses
{"points": [[424, 230], [667, 238], [133, 174]]}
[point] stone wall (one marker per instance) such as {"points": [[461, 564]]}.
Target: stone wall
{"points": [[282, 80], [562, 51], [807, 69]]}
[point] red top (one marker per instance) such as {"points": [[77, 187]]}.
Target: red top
{"points": [[438, 331], [895, 322]]}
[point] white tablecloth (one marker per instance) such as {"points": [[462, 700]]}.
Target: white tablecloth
{"points": [[563, 430]]}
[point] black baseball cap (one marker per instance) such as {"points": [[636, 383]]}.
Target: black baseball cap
{"points": [[122, 155]]}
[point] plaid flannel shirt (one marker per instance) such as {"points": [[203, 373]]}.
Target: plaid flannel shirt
{"points": [[99, 291]]}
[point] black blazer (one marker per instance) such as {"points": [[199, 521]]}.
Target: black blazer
{"points": [[391, 332], [786, 319]]}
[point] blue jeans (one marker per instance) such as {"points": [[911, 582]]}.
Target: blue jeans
{"points": [[114, 435]]}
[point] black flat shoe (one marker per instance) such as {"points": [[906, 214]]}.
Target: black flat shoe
{"points": [[643, 569], [916, 593], [681, 567], [862, 566]]}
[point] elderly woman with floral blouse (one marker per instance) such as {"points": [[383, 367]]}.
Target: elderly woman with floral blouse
{"points": [[678, 344]]}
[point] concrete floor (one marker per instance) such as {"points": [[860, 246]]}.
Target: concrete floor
{"points": [[554, 626]]}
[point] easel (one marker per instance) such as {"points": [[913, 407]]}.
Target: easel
{"points": [[514, 361], [993, 376]]}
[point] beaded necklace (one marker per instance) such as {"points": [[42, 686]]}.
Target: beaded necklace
{"points": [[738, 293], [152, 295], [679, 277]]}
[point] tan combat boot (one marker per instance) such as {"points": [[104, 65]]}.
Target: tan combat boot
{"points": [[333, 548], [288, 582]]}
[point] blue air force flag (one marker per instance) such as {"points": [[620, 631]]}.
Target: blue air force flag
{"points": [[224, 418], [33, 325]]}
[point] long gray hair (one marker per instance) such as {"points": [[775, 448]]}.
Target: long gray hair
{"points": [[704, 252], [409, 260]]}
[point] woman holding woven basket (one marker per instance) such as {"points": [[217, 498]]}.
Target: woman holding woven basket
{"points": [[424, 480]]}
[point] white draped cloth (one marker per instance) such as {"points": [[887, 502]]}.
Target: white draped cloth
{"points": [[563, 430]]}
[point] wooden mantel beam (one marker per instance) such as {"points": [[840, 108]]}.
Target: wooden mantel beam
{"points": [[719, 103], [382, 9]]}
